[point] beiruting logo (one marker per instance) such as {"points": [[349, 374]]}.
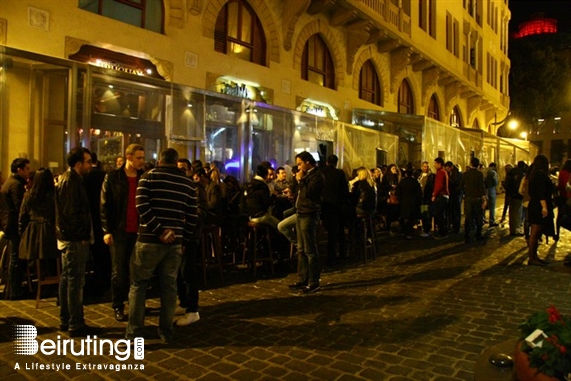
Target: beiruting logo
{"points": [[26, 343]]}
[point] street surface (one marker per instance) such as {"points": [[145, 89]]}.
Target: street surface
{"points": [[425, 309]]}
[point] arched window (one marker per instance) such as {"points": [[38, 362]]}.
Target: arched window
{"points": [[146, 14], [455, 118], [369, 84], [317, 64], [239, 32], [433, 109], [406, 105], [476, 125]]}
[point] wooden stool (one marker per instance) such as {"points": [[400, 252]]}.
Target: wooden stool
{"points": [[43, 279], [366, 236], [211, 250], [256, 234]]}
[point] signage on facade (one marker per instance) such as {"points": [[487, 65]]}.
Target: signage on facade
{"points": [[237, 87], [319, 109]]}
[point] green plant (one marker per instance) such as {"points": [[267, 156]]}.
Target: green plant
{"points": [[553, 356]]}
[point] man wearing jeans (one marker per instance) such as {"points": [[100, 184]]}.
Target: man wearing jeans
{"points": [[308, 206], [440, 196], [74, 234], [167, 206], [120, 222], [11, 197]]}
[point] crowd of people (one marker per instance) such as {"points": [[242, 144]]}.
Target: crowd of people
{"points": [[139, 221]]}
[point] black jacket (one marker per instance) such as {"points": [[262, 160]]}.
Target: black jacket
{"points": [[258, 198], [310, 192], [11, 197], [114, 194], [366, 196], [73, 217]]}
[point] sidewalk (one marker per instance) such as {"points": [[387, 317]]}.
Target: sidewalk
{"points": [[423, 310]]}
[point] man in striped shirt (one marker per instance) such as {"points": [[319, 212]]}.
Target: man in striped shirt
{"points": [[167, 207]]}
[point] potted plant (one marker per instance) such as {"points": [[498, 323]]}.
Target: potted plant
{"points": [[544, 351]]}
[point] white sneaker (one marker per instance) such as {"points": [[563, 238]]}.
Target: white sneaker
{"points": [[180, 310], [188, 318], [424, 235]]}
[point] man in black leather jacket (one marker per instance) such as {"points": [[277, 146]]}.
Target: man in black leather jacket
{"points": [[74, 234], [11, 197], [308, 206], [120, 221]]}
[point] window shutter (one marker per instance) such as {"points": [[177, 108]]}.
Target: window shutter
{"points": [[329, 70], [220, 31], [259, 44], [304, 63]]}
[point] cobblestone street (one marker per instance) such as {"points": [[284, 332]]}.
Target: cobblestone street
{"points": [[423, 310]]}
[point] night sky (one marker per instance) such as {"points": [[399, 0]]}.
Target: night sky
{"points": [[558, 9]]}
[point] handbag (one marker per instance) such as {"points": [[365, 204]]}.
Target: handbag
{"points": [[393, 199]]}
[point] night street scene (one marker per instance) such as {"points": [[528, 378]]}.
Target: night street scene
{"points": [[285, 190]]}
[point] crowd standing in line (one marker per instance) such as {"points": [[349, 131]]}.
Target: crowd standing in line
{"points": [[151, 219]]}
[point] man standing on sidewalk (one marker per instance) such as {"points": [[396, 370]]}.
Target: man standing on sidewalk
{"points": [[440, 196], [166, 202], [308, 206], [492, 182], [472, 184], [74, 234], [11, 197], [120, 222]]}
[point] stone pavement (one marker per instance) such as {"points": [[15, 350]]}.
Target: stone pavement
{"points": [[423, 310]]}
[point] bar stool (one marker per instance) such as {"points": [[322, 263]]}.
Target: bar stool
{"points": [[256, 235], [44, 279], [211, 250], [366, 236]]}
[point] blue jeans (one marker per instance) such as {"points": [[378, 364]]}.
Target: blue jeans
{"points": [[440, 205], [306, 226], [286, 228], [72, 280], [148, 257], [266, 219], [492, 205], [121, 252], [16, 268]]}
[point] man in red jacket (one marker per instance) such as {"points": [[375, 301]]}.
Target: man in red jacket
{"points": [[440, 197]]}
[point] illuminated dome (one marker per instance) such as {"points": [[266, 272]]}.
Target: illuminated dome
{"points": [[538, 25]]}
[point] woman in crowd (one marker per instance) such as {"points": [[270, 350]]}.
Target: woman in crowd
{"points": [[563, 195], [410, 198], [388, 187], [365, 192], [37, 219], [540, 208]]}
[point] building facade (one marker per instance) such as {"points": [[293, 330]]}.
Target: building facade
{"points": [[241, 81]]}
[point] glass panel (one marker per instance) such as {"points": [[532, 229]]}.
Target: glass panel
{"points": [[232, 20], [315, 77], [272, 136], [223, 135], [240, 51], [246, 27], [123, 12], [89, 5], [154, 15]]}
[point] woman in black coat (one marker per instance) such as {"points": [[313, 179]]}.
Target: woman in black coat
{"points": [[540, 208], [389, 184], [364, 191], [37, 219], [410, 199]]}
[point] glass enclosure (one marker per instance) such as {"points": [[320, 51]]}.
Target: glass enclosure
{"points": [[50, 105]]}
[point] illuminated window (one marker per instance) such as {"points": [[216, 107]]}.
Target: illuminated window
{"points": [[433, 109], [239, 32], [147, 14], [455, 118], [369, 84], [317, 64], [406, 105]]}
